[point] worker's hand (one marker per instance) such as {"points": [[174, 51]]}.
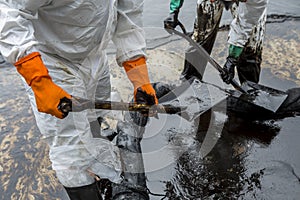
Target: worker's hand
{"points": [[145, 95], [137, 73], [171, 21], [231, 61], [47, 94], [228, 69]]}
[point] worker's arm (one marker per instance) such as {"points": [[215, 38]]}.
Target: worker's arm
{"points": [[175, 5], [130, 40], [241, 28], [18, 46], [249, 13], [172, 20], [16, 30], [47, 94]]}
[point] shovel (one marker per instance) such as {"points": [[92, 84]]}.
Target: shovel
{"points": [[77, 104], [256, 95]]}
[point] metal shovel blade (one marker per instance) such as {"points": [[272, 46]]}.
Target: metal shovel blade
{"points": [[197, 98], [252, 93], [263, 96]]}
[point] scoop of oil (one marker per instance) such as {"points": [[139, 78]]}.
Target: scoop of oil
{"points": [[262, 96]]}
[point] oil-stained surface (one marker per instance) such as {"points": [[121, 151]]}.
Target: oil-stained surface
{"points": [[251, 160], [25, 169]]}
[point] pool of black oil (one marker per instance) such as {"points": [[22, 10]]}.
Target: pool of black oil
{"points": [[249, 160], [223, 156]]}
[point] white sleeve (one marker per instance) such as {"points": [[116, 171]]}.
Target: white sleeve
{"points": [[129, 36], [249, 14], [16, 29]]}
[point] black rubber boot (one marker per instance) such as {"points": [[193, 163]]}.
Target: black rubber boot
{"points": [[125, 191], [129, 137], [88, 192]]}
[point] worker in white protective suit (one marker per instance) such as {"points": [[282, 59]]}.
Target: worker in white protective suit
{"points": [[58, 47], [245, 37]]}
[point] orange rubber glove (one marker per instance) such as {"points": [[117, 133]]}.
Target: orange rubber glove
{"points": [[138, 74], [47, 94]]}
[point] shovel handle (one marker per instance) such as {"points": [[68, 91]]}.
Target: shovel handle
{"points": [[77, 104], [212, 61], [237, 86], [232, 81]]}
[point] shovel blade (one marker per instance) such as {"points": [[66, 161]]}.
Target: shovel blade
{"points": [[258, 95], [263, 96], [195, 97]]}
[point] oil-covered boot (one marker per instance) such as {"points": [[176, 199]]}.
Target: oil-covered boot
{"points": [[87, 192]]}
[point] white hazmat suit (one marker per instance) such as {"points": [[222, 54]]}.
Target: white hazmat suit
{"points": [[71, 36]]}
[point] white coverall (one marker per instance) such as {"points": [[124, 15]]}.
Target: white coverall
{"points": [[246, 30], [71, 36], [247, 27]]}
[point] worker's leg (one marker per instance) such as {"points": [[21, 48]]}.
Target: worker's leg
{"points": [[205, 31], [84, 193], [130, 134], [73, 150], [249, 65]]}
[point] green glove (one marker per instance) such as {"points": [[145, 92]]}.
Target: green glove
{"points": [[172, 20], [231, 62], [235, 51], [175, 5]]}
